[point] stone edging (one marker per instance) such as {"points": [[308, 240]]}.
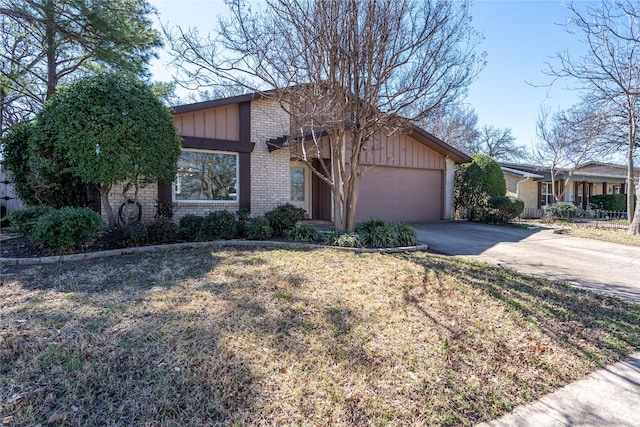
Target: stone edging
{"points": [[215, 244]]}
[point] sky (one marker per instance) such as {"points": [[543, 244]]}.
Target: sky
{"points": [[520, 36]]}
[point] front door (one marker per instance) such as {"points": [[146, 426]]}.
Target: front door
{"points": [[301, 187]]}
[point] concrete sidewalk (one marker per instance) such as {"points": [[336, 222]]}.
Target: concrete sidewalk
{"points": [[608, 397]]}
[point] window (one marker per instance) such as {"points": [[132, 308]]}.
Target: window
{"points": [[206, 176], [297, 184], [546, 193]]}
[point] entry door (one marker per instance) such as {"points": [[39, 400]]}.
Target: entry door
{"points": [[301, 187]]}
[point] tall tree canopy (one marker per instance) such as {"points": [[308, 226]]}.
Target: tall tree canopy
{"points": [[106, 129], [344, 69], [609, 71], [46, 42]]}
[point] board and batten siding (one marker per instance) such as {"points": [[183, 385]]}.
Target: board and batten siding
{"points": [[400, 150], [215, 123]]}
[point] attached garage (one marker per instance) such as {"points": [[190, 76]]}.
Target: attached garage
{"points": [[400, 194]]}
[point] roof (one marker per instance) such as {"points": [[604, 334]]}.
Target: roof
{"points": [[521, 173], [543, 173], [414, 131]]}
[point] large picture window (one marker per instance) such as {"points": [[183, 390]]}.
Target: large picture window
{"points": [[205, 176]]}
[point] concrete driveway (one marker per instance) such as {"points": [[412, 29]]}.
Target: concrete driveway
{"points": [[603, 267]]}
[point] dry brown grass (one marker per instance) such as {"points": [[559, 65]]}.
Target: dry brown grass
{"points": [[605, 234], [281, 337]]}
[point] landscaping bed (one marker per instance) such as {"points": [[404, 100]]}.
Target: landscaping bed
{"points": [[292, 337]]}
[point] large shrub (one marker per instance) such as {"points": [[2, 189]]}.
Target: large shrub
{"points": [[191, 227], [258, 228], [505, 208], [476, 183], [561, 210], [283, 218], [609, 202], [56, 188], [67, 228], [219, 225], [24, 221], [162, 231]]}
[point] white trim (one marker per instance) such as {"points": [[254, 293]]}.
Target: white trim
{"points": [[210, 202]]}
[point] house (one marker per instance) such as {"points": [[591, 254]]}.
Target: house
{"points": [[232, 159], [532, 183]]}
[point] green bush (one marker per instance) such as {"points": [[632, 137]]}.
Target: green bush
{"points": [[283, 218], [406, 235], [24, 221], [67, 228], [561, 210], [475, 183], [191, 227], [162, 231], [164, 209], [380, 234], [131, 235], [609, 202], [219, 225], [367, 226], [304, 233], [505, 208], [258, 228], [243, 215], [345, 240]]}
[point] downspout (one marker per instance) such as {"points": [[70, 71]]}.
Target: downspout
{"points": [[518, 186]]}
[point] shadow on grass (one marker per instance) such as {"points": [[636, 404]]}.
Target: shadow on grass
{"points": [[574, 317]]}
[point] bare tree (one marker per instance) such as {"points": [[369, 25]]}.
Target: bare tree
{"points": [[568, 139], [610, 69], [344, 70], [498, 143], [455, 124]]}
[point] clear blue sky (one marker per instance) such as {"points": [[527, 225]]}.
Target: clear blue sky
{"points": [[519, 37]]}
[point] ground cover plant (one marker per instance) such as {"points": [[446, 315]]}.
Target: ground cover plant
{"points": [[291, 337]]}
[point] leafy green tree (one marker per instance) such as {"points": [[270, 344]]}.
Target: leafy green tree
{"points": [[106, 129], [47, 42], [476, 183], [57, 189]]}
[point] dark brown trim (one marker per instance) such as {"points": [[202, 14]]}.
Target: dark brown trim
{"points": [[245, 121], [164, 191], [244, 178], [217, 144], [539, 195], [178, 109]]}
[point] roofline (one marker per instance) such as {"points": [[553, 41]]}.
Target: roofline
{"points": [[439, 145], [186, 108], [520, 173]]}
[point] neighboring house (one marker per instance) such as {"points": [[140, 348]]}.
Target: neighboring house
{"points": [[533, 185], [233, 157]]}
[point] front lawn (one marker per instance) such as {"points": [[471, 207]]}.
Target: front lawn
{"points": [[292, 337]]}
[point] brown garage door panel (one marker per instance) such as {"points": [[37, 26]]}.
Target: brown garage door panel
{"points": [[400, 194]]}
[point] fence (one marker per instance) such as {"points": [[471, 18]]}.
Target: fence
{"points": [[597, 218]]}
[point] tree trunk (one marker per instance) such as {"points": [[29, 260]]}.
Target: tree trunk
{"points": [[336, 169], [104, 199], [351, 199], [50, 36], [634, 227], [630, 181]]}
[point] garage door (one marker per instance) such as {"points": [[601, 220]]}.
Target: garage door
{"points": [[400, 194]]}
